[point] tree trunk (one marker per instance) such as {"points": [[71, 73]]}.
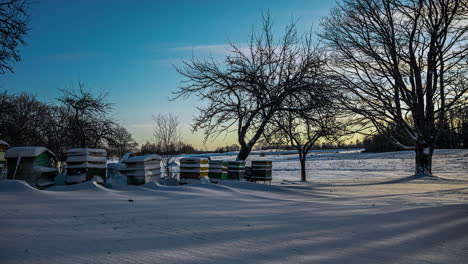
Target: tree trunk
{"points": [[465, 134], [243, 152], [303, 169], [424, 160]]}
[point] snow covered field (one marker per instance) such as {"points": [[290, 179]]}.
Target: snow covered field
{"points": [[354, 210], [332, 166]]}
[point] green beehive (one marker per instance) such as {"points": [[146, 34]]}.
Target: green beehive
{"points": [[236, 170], [218, 170], [261, 170], [3, 147], [35, 165], [192, 169]]}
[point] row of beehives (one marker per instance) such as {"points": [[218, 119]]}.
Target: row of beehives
{"points": [[38, 166], [194, 168], [141, 169]]}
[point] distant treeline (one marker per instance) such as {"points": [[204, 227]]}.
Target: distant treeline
{"points": [[454, 134], [177, 148], [77, 118]]}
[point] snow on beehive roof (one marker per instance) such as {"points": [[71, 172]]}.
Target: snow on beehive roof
{"points": [[4, 143], [85, 151], [142, 158], [26, 152]]}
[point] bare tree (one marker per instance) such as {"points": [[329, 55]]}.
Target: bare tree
{"points": [[167, 134], [79, 119], [87, 116], [319, 118], [243, 93], [13, 24], [23, 120], [121, 141], [402, 64]]}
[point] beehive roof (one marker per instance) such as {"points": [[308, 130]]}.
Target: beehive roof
{"points": [[26, 152], [142, 158]]}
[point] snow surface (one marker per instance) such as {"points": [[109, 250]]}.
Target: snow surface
{"points": [[349, 166], [358, 208]]}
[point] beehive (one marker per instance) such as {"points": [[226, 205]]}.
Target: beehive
{"points": [[218, 170], [192, 169], [85, 163], [35, 165], [261, 170], [236, 170], [3, 147], [140, 169]]}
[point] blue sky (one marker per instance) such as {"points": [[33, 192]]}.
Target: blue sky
{"points": [[128, 48]]}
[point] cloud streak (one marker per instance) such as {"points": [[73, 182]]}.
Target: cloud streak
{"points": [[176, 55], [216, 48]]}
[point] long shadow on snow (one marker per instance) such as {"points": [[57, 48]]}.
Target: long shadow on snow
{"points": [[392, 237]]}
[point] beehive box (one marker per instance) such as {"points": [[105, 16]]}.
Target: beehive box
{"points": [[236, 170], [261, 170], [140, 169], [218, 170], [193, 169], [85, 163], [35, 165], [3, 147]]}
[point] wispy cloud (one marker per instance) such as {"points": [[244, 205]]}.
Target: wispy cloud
{"points": [[216, 48], [176, 55]]}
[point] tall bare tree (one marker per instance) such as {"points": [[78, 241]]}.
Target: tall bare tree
{"points": [[244, 92], [317, 118], [13, 28], [167, 133], [87, 116], [402, 63]]}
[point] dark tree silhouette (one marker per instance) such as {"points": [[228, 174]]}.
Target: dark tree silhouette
{"points": [[243, 93], [23, 119], [316, 116], [120, 141], [87, 121], [13, 28], [80, 119], [402, 64]]}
